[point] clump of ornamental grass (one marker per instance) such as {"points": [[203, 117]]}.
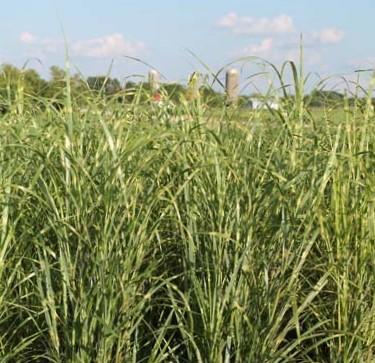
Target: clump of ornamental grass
{"points": [[136, 232]]}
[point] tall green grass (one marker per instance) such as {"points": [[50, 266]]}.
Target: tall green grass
{"points": [[136, 233]]}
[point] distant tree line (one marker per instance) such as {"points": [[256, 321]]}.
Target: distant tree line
{"points": [[17, 84], [322, 98]]}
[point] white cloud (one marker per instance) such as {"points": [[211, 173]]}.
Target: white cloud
{"points": [[329, 36], [27, 37], [254, 25], [107, 46], [260, 49], [282, 25], [228, 21], [278, 51]]}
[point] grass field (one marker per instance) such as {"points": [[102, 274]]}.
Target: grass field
{"points": [[143, 234]]}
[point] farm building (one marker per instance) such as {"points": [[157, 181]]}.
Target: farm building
{"points": [[257, 103]]}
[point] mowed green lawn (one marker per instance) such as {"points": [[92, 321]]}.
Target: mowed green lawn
{"points": [[187, 235]]}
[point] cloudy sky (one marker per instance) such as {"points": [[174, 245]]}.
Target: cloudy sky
{"points": [[337, 33]]}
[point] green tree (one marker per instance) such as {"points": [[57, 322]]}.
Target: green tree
{"points": [[211, 97], [174, 91], [320, 98], [56, 89], [19, 87], [110, 86]]}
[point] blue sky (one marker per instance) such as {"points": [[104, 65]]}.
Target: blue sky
{"points": [[337, 33]]}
